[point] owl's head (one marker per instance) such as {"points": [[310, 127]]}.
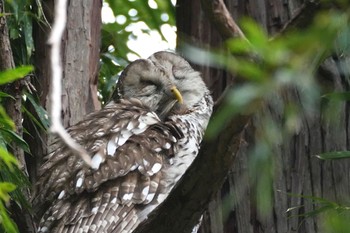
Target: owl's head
{"points": [[163, 82]]}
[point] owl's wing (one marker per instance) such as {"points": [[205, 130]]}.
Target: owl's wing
{"points": [[129, 145]]}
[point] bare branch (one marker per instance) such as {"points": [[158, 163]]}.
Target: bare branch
{"points": [[55, 42], [222, 19]]}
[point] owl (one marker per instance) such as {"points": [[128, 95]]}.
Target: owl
{"points": [[140, 143]]}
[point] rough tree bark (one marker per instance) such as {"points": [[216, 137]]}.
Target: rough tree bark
{"points": [[297, 171], [80, 60]]}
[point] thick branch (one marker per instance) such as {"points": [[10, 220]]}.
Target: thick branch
{"points": [[6, 58], [184, 206], [187, 202]]}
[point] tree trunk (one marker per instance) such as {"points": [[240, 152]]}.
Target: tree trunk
{"points": [[297, 171], [80, 61]]}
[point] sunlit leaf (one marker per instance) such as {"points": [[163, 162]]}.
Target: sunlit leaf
{"points": [[7, 158], [239, 46], [6, 222], [255, 34], [17, 177], [335, 221], [5, 120], [11, 75], [5, 188]]}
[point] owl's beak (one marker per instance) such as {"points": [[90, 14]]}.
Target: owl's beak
{"points": [[177, 94]]}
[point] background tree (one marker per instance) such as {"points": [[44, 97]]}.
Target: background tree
{"points": [[269, 166]]}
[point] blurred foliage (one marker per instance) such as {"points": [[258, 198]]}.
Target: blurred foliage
{"points": [[129, 16], [12, 180], [20, 15], [269, 67], [13, 74], [20, 30]]}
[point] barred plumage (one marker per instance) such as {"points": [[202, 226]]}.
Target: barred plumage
{"points": [[141, 143]]}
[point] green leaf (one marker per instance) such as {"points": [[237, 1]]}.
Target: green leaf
{"points": [[315, 212], [336, 222], [5, 95], [8, 224], [5, 120], [42, 114], [28, 35], [334, 155], [17, 177], [33, 119], [255, 34], [8, 158], [313, 198], [11, 75], [13, 136], [344, 96], [5, 188]]}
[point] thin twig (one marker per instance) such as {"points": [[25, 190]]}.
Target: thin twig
{"points": [[56, 105]]}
